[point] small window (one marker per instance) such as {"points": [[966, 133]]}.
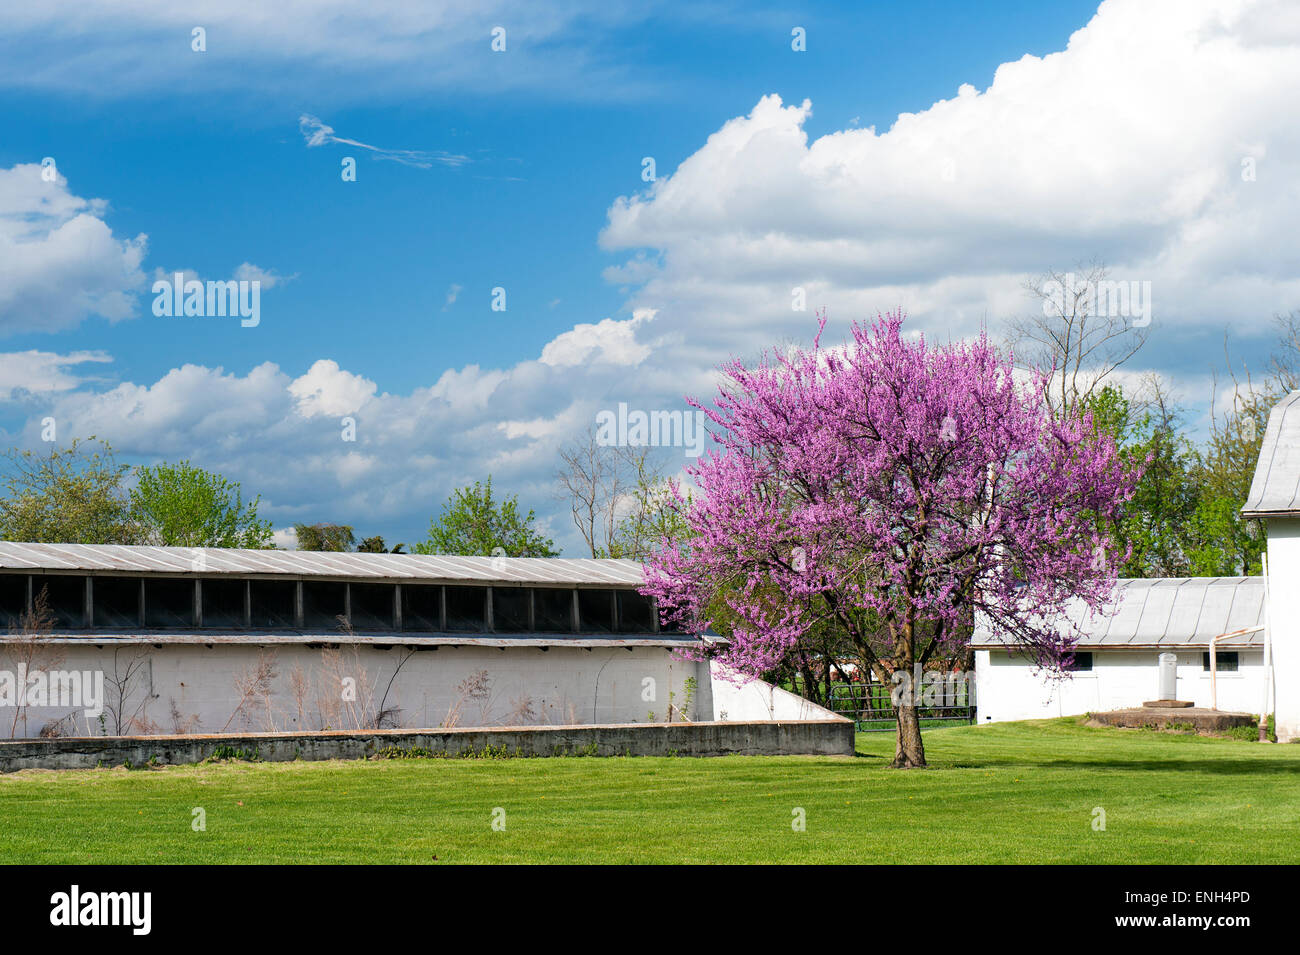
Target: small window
{"points": [[272, 603], [223, 603], [66, 597], [510, 607], [371, 606], [635, 613], [467, 609], [596, 611], [1225, 661], [1081, 663], [553, 610], [168, 603], [13, 599], [421, 608], [323, 603], [117, 602]]}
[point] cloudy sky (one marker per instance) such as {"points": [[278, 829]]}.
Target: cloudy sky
{"points": [[929, 158]]}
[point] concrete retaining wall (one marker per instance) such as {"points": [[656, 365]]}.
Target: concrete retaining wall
{"points": [[806, 738], [1175, 718]]}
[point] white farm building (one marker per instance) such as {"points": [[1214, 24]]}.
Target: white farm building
{"points": [[1117, 661], [1250, 625], [237, 641]]}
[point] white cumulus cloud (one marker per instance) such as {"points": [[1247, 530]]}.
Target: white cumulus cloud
{"points": [[609, 341], [60, 262], [42, 372], [1161, 141], [326, 389]]}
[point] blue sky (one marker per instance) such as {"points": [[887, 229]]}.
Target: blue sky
{"points": [[376, 302], [216, 181]]}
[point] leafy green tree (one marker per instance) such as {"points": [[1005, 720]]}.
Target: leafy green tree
{"points": [[1162, 505], [184, 506], [655, 516], [1155, 524], [473, 523], [375, 545], [1185, 516], [1223, 542], [73, 495], [328, 537]]}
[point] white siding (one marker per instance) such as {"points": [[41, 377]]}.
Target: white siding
{"points": [[1284, 592]]}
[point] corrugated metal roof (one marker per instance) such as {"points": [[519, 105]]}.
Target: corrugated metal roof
{"points": [[216, 561], [404, 639], [1275, 488], [1168, 611]]}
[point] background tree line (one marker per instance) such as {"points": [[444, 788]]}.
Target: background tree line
{"points": [[1184, 519], [82, 494]]}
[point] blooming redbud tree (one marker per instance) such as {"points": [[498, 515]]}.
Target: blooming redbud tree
{"points": [[893, 490]]}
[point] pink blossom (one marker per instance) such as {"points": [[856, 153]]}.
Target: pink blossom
{"points": [[895, 489]]}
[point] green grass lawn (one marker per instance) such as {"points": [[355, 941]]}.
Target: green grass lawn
{"points": [[1022, 792]]}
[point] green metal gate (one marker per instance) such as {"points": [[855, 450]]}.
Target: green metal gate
{"points": [[947, 703]]}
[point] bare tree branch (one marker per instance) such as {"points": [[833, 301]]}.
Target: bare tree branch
{"points": [[1068, 340]]}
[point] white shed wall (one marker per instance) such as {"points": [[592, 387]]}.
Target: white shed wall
{"points": [[1284, 592], [566, 685]]}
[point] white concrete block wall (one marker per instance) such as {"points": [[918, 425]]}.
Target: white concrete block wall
{"points": [[565, 685], [1007, 689]]}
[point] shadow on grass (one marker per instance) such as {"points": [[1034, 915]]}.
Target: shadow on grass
{"points": [[1260, 764], [1223, 767], [1220, 767]]}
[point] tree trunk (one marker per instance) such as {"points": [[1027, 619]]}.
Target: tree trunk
{"points": [[910, 752]]}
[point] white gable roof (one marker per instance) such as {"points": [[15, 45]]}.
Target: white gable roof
{"points": [[1275, 488]]}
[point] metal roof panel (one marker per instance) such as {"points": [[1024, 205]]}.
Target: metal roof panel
{"points": [[1275, 486], [1171, 611], [21, 556]]}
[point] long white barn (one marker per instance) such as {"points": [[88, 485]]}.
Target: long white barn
{"points": [[1254, 625], [215, 640]]}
